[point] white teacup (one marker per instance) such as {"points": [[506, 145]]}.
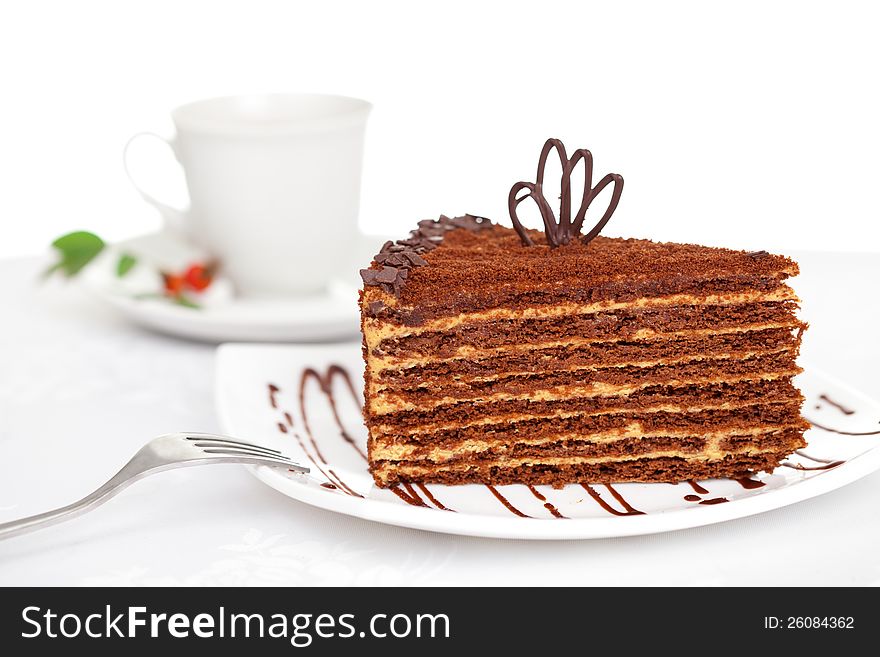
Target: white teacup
{"points": [[274, 185]]}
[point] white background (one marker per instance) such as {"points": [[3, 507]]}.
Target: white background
{"points": [[752, 125]]}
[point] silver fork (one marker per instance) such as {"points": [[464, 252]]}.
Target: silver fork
{"points": [[174, 450]]}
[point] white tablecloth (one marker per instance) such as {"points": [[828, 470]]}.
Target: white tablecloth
{"points": [[81, 390]]}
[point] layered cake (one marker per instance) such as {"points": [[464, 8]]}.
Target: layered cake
{"points": [[502, 355]]}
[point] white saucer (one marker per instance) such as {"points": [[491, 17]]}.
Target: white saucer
{"points": [[223, 316], [331, 317]]}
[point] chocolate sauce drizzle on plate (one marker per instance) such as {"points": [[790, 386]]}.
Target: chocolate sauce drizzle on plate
{"points": [[629, 510], [326, 471], [406, 497], [746, 482], [846, 411], [815, 459], [841, 432], [433, 499], [506, 502], [414, 494], [840, 407], [826, 464], [697, 488], [715, 500], [562, 229], [798, 466], [325, 382], [626, 505], [547, 505]]}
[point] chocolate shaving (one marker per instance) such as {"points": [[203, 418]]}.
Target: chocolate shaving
{"points": [[415, 259], [757, 254], [396, 259], [386, 275], [561, 231]]}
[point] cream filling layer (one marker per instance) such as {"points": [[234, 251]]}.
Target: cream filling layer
{"points": [[376, 330], [408, 452], [390, 403]]}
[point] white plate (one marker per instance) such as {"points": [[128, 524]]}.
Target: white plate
{"points": [[331, 442], [328, 317]]}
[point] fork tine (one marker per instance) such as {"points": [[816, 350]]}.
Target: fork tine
{"points": [[223, 444], [229, 451], [208, 437], [226, 448], [235, 455]]}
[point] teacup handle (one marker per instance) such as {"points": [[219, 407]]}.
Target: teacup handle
{"points": [[173, 217]]}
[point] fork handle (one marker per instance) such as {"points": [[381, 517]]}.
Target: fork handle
{"points": [[24, 525], [142, 464]]}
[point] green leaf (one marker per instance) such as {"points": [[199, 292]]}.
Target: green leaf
{"points": [[125, 264], [180, 301], [75, 251], [186, 303]]}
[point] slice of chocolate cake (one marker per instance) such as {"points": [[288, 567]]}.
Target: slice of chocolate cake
{"points": [[499, 355]]}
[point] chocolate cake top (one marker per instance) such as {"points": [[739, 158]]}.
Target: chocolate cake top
{"points": [[466, 264]]}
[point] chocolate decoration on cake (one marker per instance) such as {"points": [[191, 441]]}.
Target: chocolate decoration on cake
{"points": [[560, 231]]}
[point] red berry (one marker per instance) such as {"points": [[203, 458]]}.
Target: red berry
{"points": [[173, 284], [197, 277]]}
